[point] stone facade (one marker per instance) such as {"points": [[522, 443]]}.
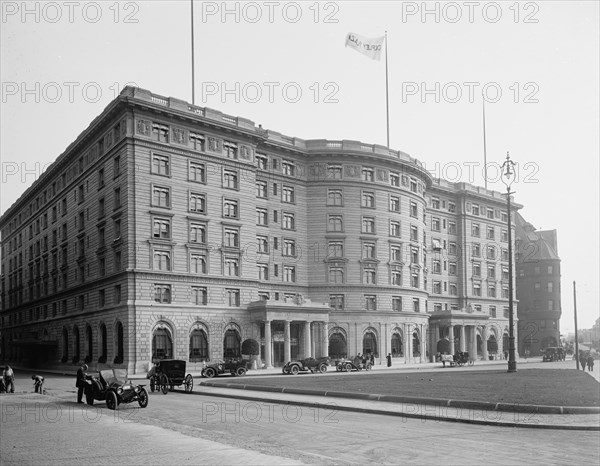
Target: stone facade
{"points": [[169, 230]]}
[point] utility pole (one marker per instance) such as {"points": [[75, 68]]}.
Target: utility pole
{"points": [[576, 336]]}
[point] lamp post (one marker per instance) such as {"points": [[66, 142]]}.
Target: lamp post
{"points": [[508, 177]]}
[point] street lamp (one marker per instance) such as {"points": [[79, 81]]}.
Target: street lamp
{"points": [[508, 177]]}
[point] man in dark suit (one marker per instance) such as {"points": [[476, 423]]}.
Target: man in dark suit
{"points": [[80, 383]]}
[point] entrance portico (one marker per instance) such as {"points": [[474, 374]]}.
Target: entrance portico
{"points": [[293, 329]]}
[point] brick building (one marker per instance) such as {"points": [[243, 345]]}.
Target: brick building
{"points": [[170, 230]]}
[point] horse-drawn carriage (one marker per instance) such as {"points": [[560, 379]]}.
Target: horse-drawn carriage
{"points": [[460, 358], [169, 373]]}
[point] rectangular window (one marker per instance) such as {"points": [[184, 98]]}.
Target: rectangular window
{"points": [[289, 247], [369, 276], [231, 267], [413, 185], [197, 203], [435, 203], [394, 203], [476, 250], [231, 238], [368, 225], [160, 132], [436, 266], [288, 168], [161, 165], [414, 279], [162, 260], [287, 194], [199, 295], [397, 276], [263, 271], [230, 179], [161, 228], [370, 302], [397, 303], [394, 228], [335, 197], [233, 297], [453, 289], [261, 161], [491, 272], [368, 174], [491, 290], [475, 209], [197, 233], [116, 166], [492, 311], [416, 305], [394, 179], [396, 253], [261, 189], [289, 273], [288, 221], [414, 210], [477, 289], [336, 275], [335, 249], [451, 207], [490, 233], [334, 172], [334, 223], [262, 216], [490, 213], [368, 250], [197, 172], [198, 263], [263, 244], [161, 196], [435, 223], [336, 301], [230, 150], [452, 268], [476, 269], [368, 199], [437, 287], [197, 141], [475, 229], [162, 293], [230, 208]]}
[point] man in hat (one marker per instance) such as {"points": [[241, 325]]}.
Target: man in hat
{"points": [[9, 379], [80, 383]]}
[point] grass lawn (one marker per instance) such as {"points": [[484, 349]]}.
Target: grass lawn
{"points": [[555, 387]]}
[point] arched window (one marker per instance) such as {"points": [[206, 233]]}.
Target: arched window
{"points": [[65, 344], [492, 345], [162, 344], [89, 344], [103, 344], [505, 343], [370, 344], [198, 346], [231, 344], [416, 344], [337, 346], [119, 343], [397, 350], [75, 344]]}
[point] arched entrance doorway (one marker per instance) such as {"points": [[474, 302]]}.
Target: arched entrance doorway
{"points": [[370, 344], [162, 344], [232, 344], [338, 347]]}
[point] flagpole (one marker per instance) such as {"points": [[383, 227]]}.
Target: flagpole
{"points": [[387, 101], [193, 80], [484, 146]]}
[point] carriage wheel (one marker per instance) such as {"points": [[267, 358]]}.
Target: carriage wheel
{"points": [[189, 383], [164, 384], [143, 398]]}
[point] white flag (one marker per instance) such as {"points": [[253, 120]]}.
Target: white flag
{"points": [[369, 47]]}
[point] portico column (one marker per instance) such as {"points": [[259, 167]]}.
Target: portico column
{"points": [[484, 343], [462, 338], [433, 332], [268, 343], [406, 343], [424, 343], [473, 345], [451, 338], [324, 340], [287, 350], [307, 341]]}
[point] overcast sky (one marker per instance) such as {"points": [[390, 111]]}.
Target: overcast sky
{"points": [[284, 65]]}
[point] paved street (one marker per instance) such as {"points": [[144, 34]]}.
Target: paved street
{"points": [[180, 428]]}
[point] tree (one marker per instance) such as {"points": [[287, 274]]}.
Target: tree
{"points": [[250, 347]]}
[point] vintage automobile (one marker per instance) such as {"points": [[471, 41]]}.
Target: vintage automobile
{"points": [[356, 364], [112, 386], [233, 366], [460, 358], [554, 353], [305, 365], [168, 373]]}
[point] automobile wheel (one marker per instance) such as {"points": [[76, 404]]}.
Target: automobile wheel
{"points": [[323, 368], [111, 400], [339, 367], [189, 383], [294, 370], [348, 367], [210, 372], [471, 362], [143, 398], [240, 371], [368, 366], [285, 370], [89, 398], [164, 384], [152, 384]]}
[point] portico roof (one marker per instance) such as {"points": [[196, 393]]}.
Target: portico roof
{"points": [[298, 309]]}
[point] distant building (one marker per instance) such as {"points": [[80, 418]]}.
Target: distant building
{"points": [[538, 287], [167, 230]]}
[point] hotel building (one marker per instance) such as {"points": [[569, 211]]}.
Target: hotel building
{"points": [[167, 230]]}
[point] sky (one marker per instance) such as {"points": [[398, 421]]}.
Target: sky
{"points": [[284, 65]]}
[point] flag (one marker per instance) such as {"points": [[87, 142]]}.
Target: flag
{"points": [[369, 47]]}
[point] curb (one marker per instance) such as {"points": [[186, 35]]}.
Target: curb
{"points": [[438, 402]]}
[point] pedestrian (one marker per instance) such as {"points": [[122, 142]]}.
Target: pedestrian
{"points": [[9, 379], [38, 383], [590, 363], [389, 359], [80, 382], [372, 359]]}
